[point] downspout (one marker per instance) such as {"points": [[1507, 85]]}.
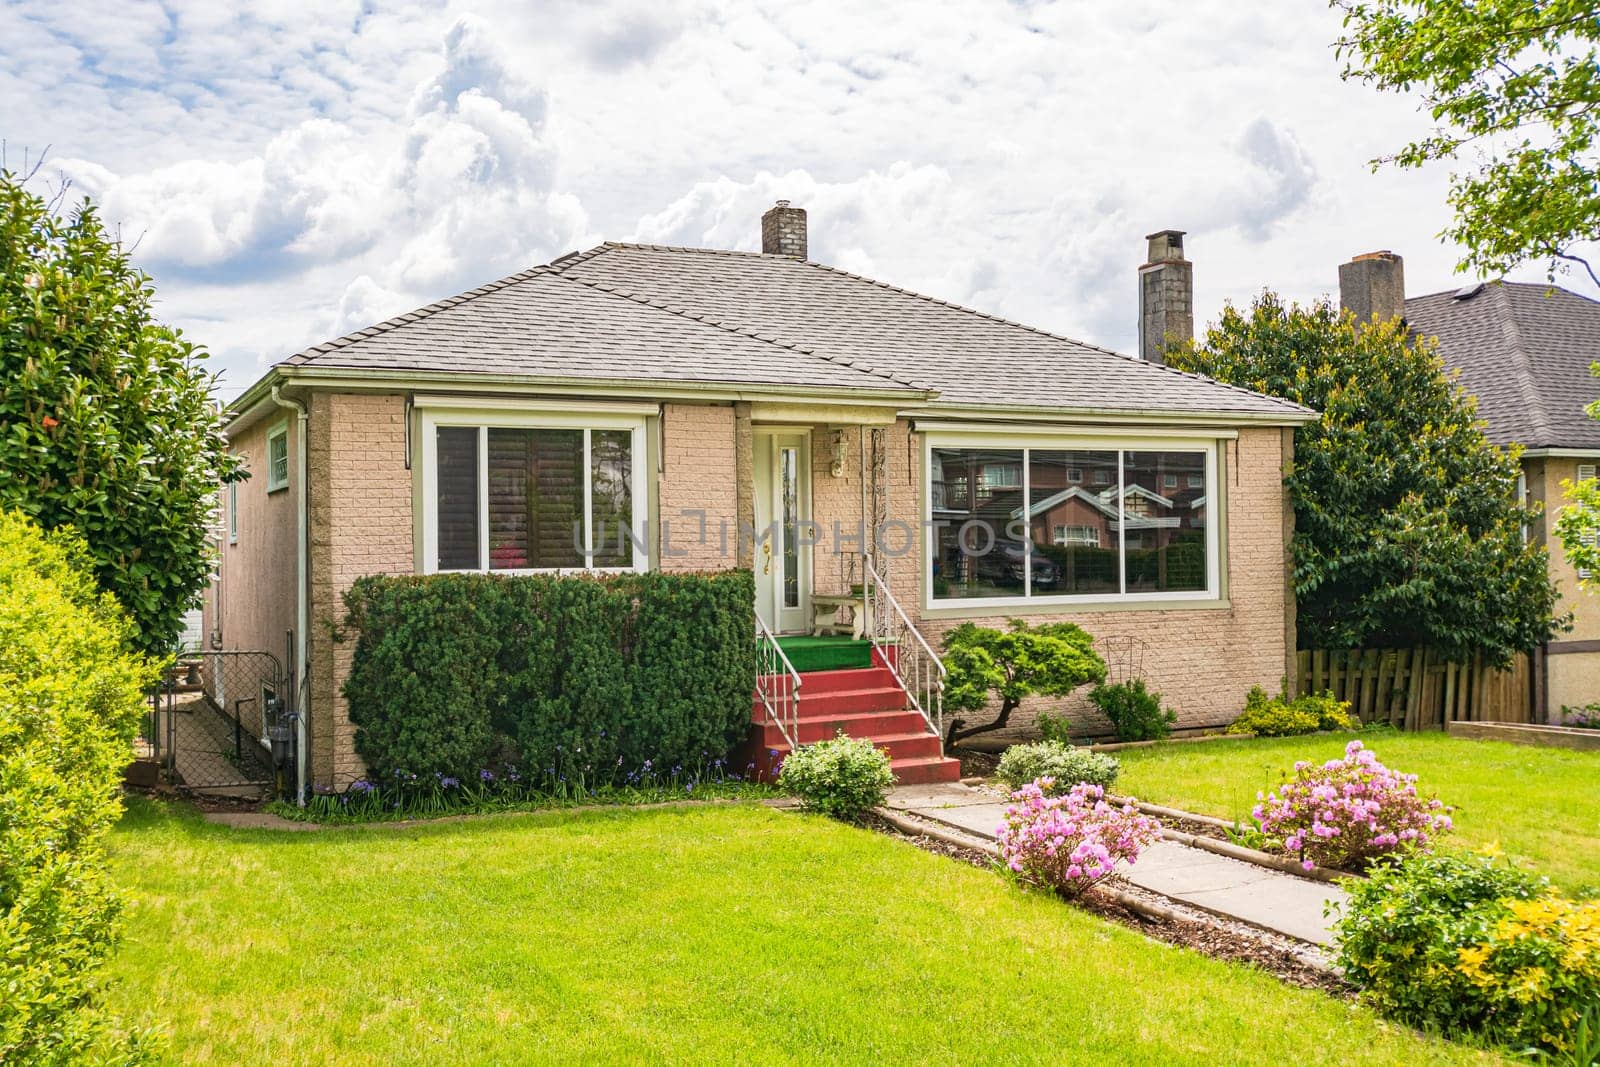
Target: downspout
{"points": [[302, 594]]}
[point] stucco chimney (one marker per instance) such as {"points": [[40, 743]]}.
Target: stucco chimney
{"points": [[783, 231], [1373, 286], [1166, 296]]}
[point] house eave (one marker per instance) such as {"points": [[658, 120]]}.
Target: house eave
{"points": [[243, 410], [1010, 413], [1560, 453]]}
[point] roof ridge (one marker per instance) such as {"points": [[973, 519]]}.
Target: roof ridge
{"points": [[742, 331], [1527, 383], [414, 314], [745, 253], [1046, 333]]}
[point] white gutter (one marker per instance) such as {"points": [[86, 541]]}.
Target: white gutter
{"points": [[302, 595]]}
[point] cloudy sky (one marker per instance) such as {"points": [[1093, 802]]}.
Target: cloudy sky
{"points": [[291, 171]]}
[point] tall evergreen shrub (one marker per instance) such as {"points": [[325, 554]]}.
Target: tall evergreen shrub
{"points": [[557, 677]]}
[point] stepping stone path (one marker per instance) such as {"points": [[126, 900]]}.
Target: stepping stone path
{"points": [[1221, 885]]}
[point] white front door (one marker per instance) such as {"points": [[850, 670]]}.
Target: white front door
{"points": [[783, 540]]}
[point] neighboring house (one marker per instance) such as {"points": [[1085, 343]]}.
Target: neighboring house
{"points": [[656, 400], [1524, 350]]}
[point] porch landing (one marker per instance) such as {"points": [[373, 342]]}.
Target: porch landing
{"points": [[809, 654]]}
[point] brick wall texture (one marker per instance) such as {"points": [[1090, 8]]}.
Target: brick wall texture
{"points": [[361, 524], [1202, 658]]}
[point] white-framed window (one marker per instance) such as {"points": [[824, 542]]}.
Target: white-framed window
{"points": [[1075, 474], [278, 457], [1001, 476], [1077, 535], [1055, 541], [233, 513], [514, 490]]}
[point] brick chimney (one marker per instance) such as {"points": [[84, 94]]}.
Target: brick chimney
{"points": [[783, 231], [1166, 296], [1373, 286]]}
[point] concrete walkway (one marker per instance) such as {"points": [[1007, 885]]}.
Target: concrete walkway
{"points": [[1218, 884]]}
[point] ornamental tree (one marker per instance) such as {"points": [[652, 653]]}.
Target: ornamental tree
{"points": [[1408, 527], [107, 423], [985, 664], [1517, 83]]}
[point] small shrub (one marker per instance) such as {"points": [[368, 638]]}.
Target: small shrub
{"points": [[1054, 727], [1069, 841], [1267, 716], [1135, 713], [842, 777], [1051, 659], [1470, 946], [70, 705], [1065, 765], [1348, 812]]}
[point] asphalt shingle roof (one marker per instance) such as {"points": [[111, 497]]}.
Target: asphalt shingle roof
{"points": [[1524, 351], [645, 312]]}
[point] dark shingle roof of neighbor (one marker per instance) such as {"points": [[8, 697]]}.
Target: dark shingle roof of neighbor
{"points": [[1524, 351], [646, 312]]}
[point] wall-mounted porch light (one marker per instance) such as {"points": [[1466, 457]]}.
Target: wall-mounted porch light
{"points": [[836, 449]]}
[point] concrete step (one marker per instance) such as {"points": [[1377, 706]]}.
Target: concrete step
{"points": [[920, 770], [867, 724]]}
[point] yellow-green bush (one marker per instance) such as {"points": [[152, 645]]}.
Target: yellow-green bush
{"points": [[69, 708], [1266, 716]]}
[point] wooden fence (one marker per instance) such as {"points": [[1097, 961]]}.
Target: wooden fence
{"points": [[1416, 688]]}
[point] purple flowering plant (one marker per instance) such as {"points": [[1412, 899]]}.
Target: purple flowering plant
{"points": [[1348, 812], [1069, 841]]}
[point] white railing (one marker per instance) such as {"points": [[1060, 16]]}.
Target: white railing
{"points": [[903, 649], [777, 685]]}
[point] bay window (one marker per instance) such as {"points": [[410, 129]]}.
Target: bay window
{"points": [[520, 491], [1095, 523]]}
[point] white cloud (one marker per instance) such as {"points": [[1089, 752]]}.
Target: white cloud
{"points": [[297, 171]]}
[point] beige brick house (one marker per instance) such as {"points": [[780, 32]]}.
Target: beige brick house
{"points": [[635, 407]]}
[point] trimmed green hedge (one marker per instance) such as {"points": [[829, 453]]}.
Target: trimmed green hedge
{"points": [[560, 679]]}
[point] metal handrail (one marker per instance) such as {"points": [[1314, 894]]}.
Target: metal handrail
{"points": [[923, 678], [782, 702]]}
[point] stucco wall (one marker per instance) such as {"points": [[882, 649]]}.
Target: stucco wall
{"points": [[1202, 659], [1573, 662], [252, 601], [360, 524]]}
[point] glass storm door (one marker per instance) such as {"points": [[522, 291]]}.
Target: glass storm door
{"points": [[783, 551]]}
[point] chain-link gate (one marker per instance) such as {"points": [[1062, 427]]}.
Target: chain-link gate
{"points": [[219, 724]]}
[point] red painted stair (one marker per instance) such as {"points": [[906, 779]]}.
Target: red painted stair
{"points": [[862, 702]]}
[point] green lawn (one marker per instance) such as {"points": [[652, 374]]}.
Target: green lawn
{"points": [[1539, 804], [697, 935]]}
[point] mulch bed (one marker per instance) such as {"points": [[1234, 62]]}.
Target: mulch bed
{"points": [[1204, 933]]}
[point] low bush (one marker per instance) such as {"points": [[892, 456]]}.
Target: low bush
{"points": [[1135, 713], [486, 792], [70, 706], [1468, 945], [569, 681], [843, 777], [1278, 716], [1348, 812], [1584, 718], [1069, 841], [1064, 765]]}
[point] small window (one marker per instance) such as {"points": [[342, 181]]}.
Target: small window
{"points": [[1197, 481], [1169, 481], [1074, 474], [278, 457], [1102, 476], [233, 513], [1001, 476]]}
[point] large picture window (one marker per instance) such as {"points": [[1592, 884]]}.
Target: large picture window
{"points": [[1046, 523], [526, 496]]}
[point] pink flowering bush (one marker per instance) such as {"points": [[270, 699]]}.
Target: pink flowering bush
{"points": [[1348, 812], [1071, 840]]}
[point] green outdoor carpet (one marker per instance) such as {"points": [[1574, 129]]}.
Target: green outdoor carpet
{"points": [[826, 653]]}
